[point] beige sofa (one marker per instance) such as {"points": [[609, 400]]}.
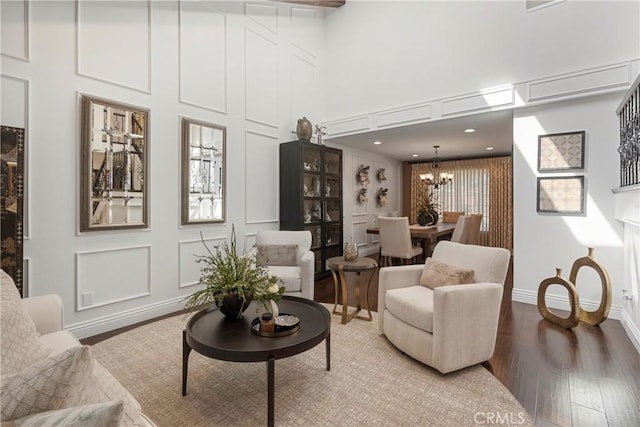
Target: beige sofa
{"points": [[447, 327], [48, 377]]}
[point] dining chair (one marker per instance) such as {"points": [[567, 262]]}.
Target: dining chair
{"points": [[467, 229], [395, 241]]}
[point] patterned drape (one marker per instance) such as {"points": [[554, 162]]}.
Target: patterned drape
{"points": [[478, 186]]}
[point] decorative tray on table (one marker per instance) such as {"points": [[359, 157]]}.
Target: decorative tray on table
{"points": [[286, 324]]}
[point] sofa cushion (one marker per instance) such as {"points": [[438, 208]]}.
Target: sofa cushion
{"points": [[289, 276], [59, 341], [51, 383], [105, 414], [412, 305], [277, 255], [19, 340], [437, 274]]}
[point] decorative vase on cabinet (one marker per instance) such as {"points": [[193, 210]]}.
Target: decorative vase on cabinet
{"points": [[318, 169]]}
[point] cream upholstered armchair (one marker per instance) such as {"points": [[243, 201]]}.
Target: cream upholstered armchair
{"points": [[288, 256], [447, 327]]}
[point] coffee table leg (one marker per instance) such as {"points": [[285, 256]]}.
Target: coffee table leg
{"points": [[185, 361], [327, 343], [270, 391]]}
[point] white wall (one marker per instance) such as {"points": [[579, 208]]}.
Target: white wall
{"points": [[386, 54], [546, 241], [359, 217], [254, 68]]}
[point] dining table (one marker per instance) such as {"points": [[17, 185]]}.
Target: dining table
{"points": [[428, 235]]}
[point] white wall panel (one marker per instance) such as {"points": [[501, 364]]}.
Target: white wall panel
{"points": [[303, 33], [484, 100], [114, 42], [261, 79], [112, 275], [263, 14], [414, 113], [261, 178], [14, 25], [15, 94], [359, 230], [188, 253], [303, 83], [203, 57]]}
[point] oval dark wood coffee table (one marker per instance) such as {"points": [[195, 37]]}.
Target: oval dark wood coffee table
{"points": [[213, 335]]}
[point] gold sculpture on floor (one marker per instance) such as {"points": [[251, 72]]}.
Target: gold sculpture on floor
{"points": [[568, 322], [577, 313]]}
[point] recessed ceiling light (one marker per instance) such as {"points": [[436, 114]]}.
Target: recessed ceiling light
{"points": [[414, 155], [489, 148], [470, 130], [377, 142]]}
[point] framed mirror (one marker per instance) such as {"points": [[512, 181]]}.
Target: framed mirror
{"points": [[203, 171], [115, 163]]}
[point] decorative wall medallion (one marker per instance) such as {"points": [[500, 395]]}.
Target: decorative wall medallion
{"points": [[570, 321], [380, 175], [362, 196], [363, 175], [381, 197]]}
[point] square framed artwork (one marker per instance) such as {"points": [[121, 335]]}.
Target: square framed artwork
{"points": [[561, 151], [561, 194]]}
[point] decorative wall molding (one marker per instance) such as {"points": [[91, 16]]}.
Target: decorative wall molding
{"points": [[128, 267], [15, 29], [261, 157], [303, 77], [406, 115], [589, 82], [561, 302], [584, 82], [302, 31], [263, 14], [359, 232], [261, 79], [113, 321], [188, 268], [203, 77], [131, 71]]}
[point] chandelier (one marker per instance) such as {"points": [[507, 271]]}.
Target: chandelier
{"points": [[436, 178]]}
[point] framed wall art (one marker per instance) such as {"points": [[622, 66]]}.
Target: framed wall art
{"points": [[11, 204], [561, 151], [561, 194]]}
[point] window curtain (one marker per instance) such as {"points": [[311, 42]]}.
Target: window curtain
{"points": [[479, 186]]}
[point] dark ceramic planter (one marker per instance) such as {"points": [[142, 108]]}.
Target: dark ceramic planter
{"points": [[233, 306]]}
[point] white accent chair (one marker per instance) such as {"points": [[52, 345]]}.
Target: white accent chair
{"points": [[298, 280], [449, 327], [395, 240]]}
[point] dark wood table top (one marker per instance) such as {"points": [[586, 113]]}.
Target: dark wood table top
{"points": [[360, 264], [424, 231], [213, 335]]}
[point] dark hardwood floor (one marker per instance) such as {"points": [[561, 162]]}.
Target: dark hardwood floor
{"points": [[586, 376]]}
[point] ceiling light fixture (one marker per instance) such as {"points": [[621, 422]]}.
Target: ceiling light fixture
{"points": [[377, 142], [489, 148], [414, 155], [436, 178], [470, 130]]}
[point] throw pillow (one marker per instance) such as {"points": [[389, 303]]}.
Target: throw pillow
{"points": [[54, 382], [105, 414], [277, 255], [19, 340], [437, 274]]}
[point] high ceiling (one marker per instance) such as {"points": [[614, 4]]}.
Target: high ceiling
{"points": [[493, 129]]}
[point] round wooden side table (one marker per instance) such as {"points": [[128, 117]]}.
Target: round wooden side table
{"points": [[339, 267]]}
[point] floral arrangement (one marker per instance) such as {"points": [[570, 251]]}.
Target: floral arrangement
{"points": [[226, 272]]}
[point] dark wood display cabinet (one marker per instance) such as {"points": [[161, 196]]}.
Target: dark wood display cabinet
{"points": [[311, 197]]}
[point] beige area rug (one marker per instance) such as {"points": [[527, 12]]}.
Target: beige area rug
{"points": [[371, 383]]}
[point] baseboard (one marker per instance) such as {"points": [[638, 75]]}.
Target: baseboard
{"points": [[369, 251], [562, 303], [125, 318], [631, 329]]}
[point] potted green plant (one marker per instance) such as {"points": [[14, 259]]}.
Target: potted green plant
{"points": [[427, 208], [233, 280]]}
